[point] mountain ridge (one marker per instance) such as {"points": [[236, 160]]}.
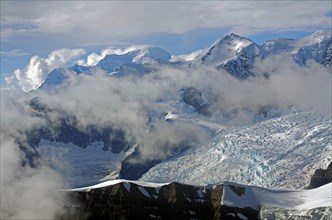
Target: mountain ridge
{"points": [[132, 199], [235, 54]]}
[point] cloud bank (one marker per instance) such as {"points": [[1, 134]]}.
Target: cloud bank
{"points": [[87, 20], [38, 68], [26, 192]]}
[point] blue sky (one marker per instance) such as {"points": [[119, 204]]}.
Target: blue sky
{"points": [[31, 28]]}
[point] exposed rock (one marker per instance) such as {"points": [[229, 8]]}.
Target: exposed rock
{"points": [[321, 177], [173, 201], [194, 98]]}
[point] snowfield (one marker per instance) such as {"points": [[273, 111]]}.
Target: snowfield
{"points": [[256, 197]]}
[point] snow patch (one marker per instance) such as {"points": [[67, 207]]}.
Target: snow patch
{"points": [[113, 182], [241, 196], [145, 193]]}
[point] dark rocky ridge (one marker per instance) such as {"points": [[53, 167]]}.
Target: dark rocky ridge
{"points": [[172, 201]]}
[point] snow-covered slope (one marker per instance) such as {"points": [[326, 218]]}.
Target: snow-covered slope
{"points": [[280, 152], [241, 196]]}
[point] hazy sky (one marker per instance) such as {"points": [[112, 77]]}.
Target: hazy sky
{"points": [[31, 28]]}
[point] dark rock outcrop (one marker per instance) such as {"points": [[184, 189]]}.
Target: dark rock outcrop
{"points": [[321, 177]]}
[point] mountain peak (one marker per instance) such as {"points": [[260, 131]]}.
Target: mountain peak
{"points": [[233, 36], [230, 49], [319, 36], [231, 42], [152, 52], [139, 54]]}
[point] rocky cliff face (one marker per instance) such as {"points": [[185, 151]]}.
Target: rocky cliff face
{"points": [[125, 199], [172, 201]]}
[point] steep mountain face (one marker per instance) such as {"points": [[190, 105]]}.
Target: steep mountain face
{"points": [[315, 47], [234, 54], [121, 199]]}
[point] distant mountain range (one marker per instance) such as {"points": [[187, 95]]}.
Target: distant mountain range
{"points": [[233, 53]]}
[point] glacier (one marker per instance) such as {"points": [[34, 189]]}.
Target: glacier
{"points": [[281, 152]]}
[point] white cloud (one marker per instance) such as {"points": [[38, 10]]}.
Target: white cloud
{"points": [[106, 21], [26, 193], [94, 58], [188, 57], [38, 68]]}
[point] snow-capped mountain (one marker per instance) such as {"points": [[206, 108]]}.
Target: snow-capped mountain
{"points": [[137, 60], [113, 62], [235, 54], [232, 53]]}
